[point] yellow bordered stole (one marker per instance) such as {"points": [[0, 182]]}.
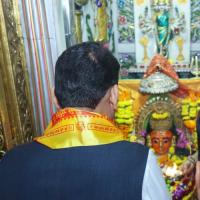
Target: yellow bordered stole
{"points": [[72, 127]]}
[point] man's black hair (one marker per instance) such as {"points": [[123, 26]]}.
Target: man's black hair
{"points": [[83, 74]]}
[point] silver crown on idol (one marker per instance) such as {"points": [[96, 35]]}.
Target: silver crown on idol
{"points": [[158, 83]]}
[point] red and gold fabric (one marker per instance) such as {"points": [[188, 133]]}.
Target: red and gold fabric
{"points": [[72, 127]]}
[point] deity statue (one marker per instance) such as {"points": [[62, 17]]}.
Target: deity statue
{"points": [[161, 24], [161, 141], [161, 137], [164, 34], [160, 126]]}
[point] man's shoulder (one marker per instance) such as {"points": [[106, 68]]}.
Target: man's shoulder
{"points": [[22, 151], [125, 148], [132, 145]]}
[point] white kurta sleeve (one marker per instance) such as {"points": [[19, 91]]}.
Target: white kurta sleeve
{"points": [[154, 187]]}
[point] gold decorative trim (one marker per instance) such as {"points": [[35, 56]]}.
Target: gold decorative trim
{"points": [[166, 104], [2, 140], [14, 73]]}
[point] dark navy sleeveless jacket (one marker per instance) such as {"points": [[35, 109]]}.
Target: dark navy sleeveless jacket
{"points": [[104, 172]]}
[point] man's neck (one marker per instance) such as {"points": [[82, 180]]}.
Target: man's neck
{"points": [[85, 108], [96, 110]]}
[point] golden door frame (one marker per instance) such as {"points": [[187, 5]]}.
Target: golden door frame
{"points": [[16, 114]]}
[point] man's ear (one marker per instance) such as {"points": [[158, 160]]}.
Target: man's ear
{"points": [[55, 100], [114, 96]]}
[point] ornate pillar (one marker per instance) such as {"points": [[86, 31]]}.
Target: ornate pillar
{"points": [[16, 116]]}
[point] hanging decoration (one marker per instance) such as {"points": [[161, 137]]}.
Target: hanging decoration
{"points": [[101, 20], [78, 14], [195, 21], [78, 17], [125, 21], [98, 17]]}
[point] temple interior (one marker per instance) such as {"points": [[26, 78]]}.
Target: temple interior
{"points": [[157, 43]]}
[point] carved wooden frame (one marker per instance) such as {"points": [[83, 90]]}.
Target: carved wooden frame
{"points": [[16, 114]]}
